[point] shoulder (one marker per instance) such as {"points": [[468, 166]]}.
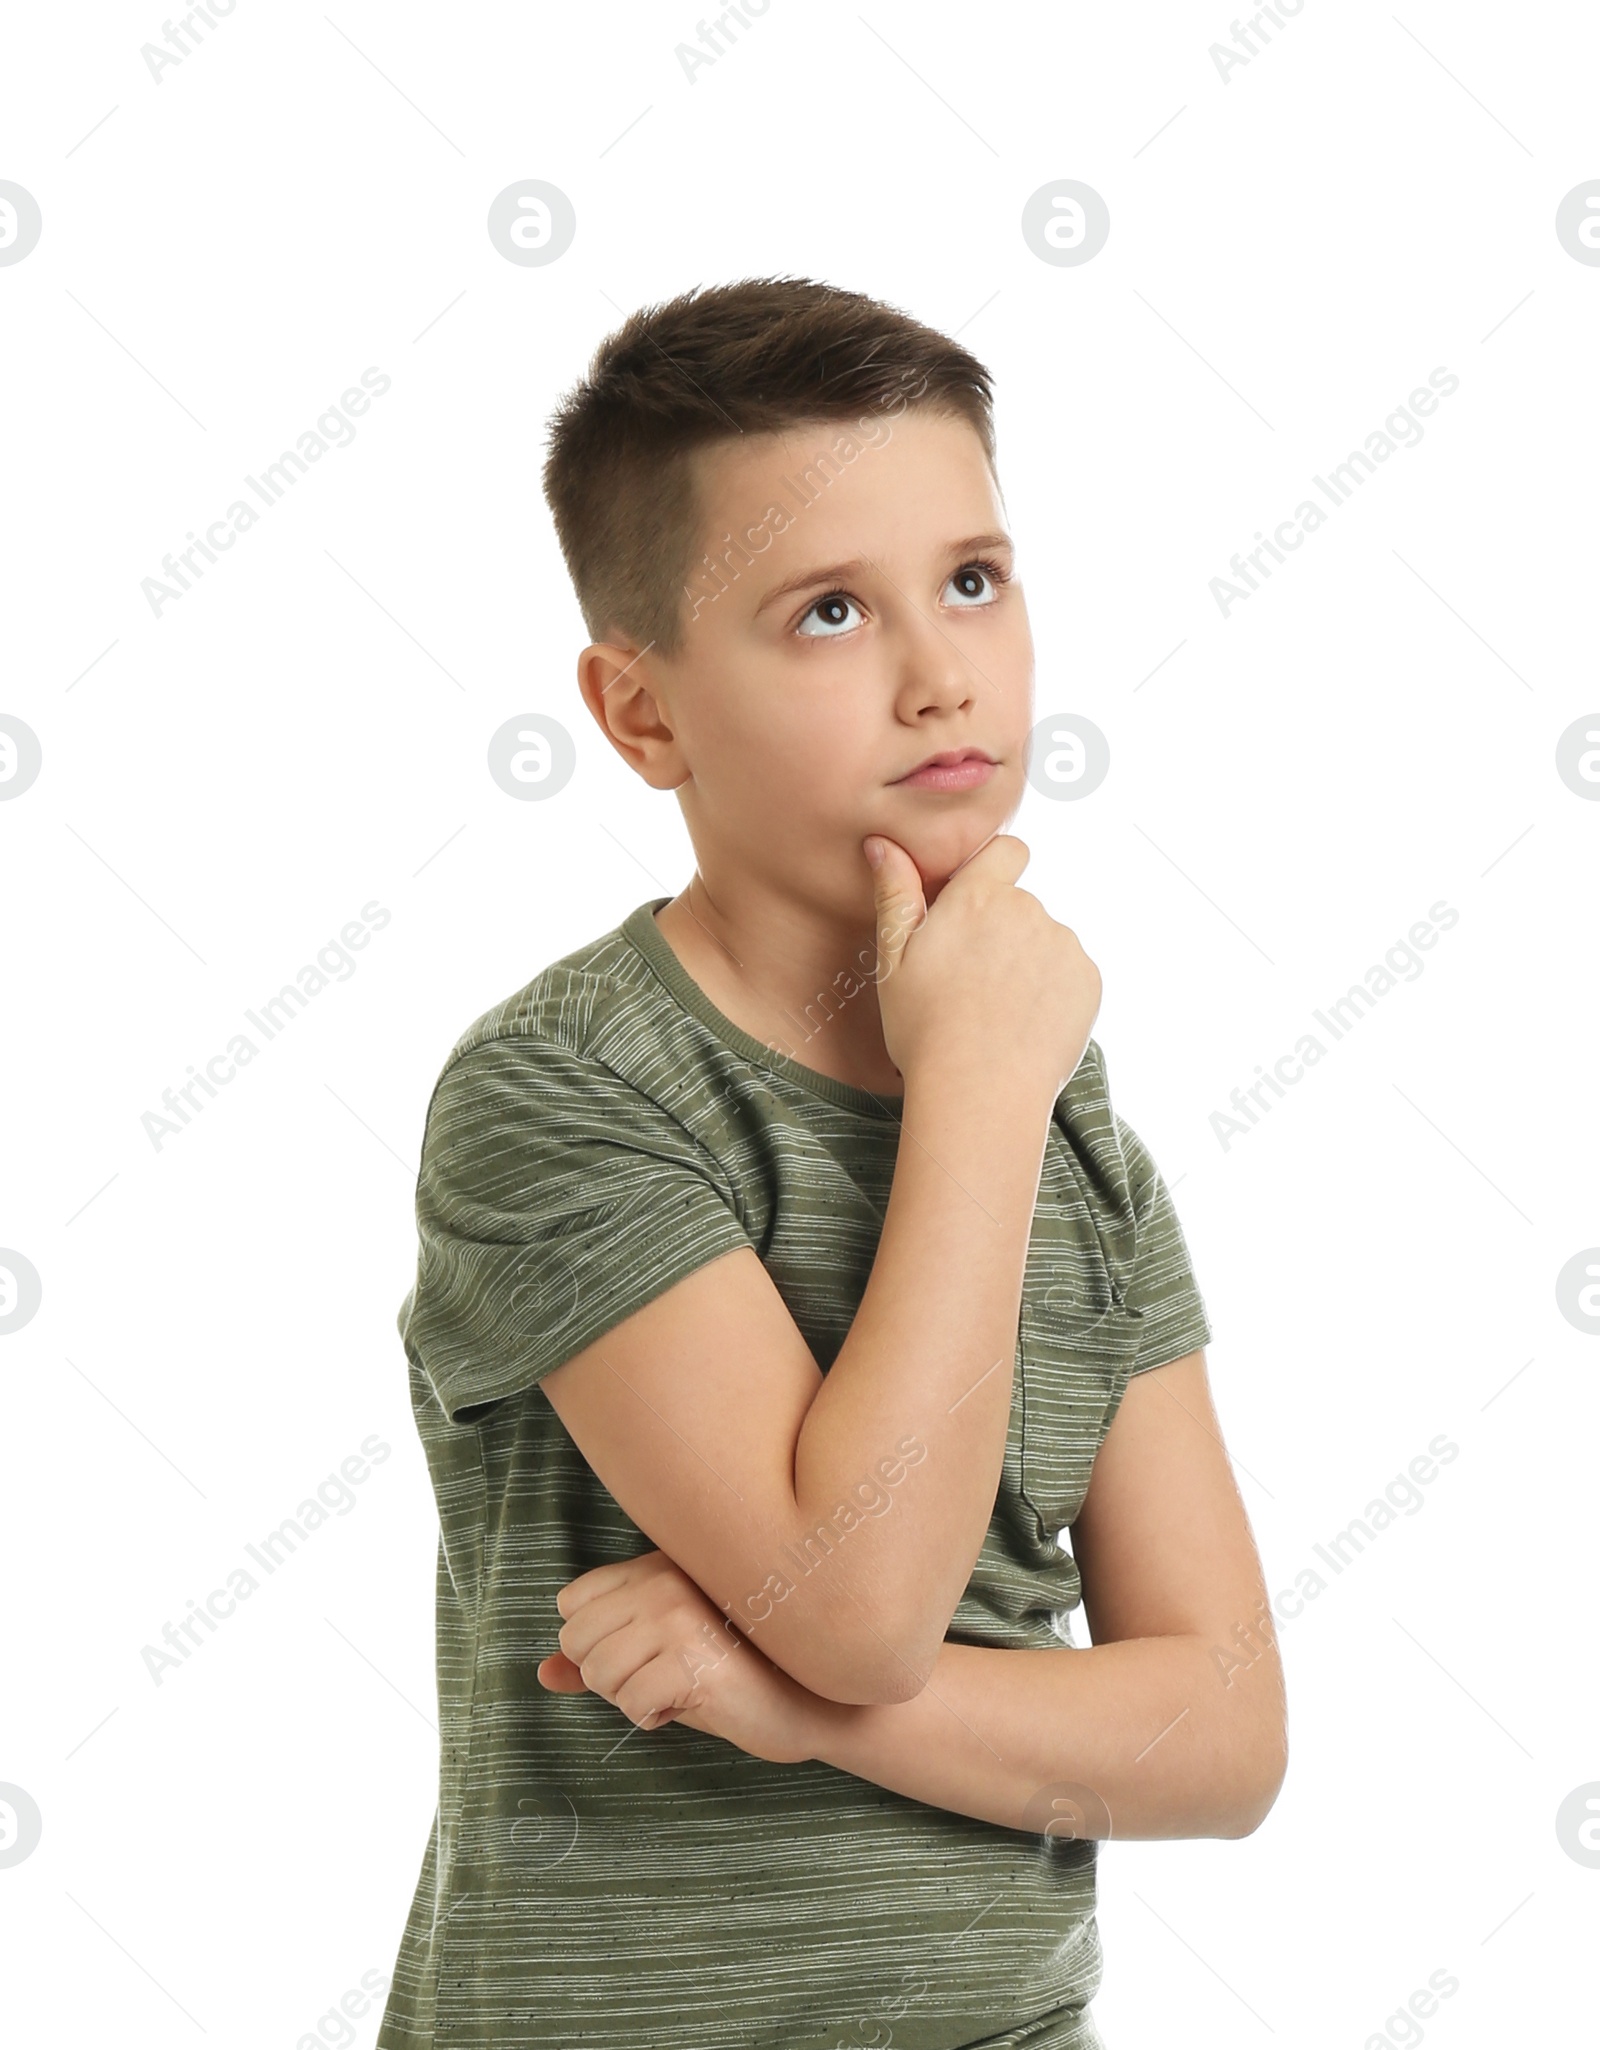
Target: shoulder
{"points": [[581, 1005], [593, 1049], [1100, 1136], [1123, 1182], [598, 1020], [1131, 1205]]}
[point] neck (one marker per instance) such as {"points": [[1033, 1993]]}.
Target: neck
{"points": [[793, 973]]}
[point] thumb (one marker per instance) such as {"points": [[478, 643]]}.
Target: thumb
{"points": [[560, 1675], [898, 900]]}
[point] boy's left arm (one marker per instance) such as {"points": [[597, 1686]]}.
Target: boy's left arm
{"points": [[1171, 1724]]}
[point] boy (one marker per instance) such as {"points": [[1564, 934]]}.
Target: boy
{"points": [[785, 1275]]}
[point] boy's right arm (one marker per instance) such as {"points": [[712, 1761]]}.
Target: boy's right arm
{"points": [[705, 1415]]}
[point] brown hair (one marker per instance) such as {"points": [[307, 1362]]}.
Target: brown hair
{"points": [[759, 356]]}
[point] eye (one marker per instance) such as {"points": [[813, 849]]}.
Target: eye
{"points": [[982, 571], [835, 602], [828, 610]]}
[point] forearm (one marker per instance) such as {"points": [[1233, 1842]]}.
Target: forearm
{"points": [[928, 1359], [1020, 1737]]}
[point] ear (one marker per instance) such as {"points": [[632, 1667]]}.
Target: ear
{"points": [[622, 688]]}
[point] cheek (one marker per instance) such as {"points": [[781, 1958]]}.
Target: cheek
{"points": [[831, 733], [1016, 660], [803, 747]]}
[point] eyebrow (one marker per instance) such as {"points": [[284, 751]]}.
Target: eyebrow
{"points": [[835, 573]]}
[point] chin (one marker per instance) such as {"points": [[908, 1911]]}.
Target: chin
{"points": [[939, 855]]}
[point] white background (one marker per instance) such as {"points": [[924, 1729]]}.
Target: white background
{"points": [[1292, 786]]}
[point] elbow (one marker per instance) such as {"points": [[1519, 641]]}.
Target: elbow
{"points": [[1248, 1817], [847, 1645], [865, 1680], [897, 1683], [1263, 1782], [865, 1671], [890, 1665]]}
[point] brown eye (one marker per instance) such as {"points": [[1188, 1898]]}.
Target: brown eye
{"points": [[829, 610], [979, 584]]}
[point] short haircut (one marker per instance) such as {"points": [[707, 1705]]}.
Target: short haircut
{"points": [[758, 356]]}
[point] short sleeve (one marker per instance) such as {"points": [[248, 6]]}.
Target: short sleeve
{"points": [[553, 1200], [1162, 1286]]}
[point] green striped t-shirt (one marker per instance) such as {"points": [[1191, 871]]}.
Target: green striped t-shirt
{"points": [[589, 1885]]}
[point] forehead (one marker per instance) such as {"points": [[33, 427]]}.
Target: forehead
{"points": [[918, 466]]}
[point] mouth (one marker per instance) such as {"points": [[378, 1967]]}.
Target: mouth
{"points": [[959, 769]]}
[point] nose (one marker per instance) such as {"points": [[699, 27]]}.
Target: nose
{"points": [[936, 676]]}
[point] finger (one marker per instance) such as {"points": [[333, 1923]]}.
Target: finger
{"points": [[1001, 858], [618, 1659], [572, 1597], [898, 901], [600, 1580], [654, 1694], [597, 1620], [560, 1675]]}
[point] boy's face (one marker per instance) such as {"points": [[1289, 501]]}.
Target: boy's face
{"points": [[862, 637]]}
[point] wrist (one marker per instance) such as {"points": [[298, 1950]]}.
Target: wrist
{"points": [[822, 1727], [849, 1734], [946, 1077]]}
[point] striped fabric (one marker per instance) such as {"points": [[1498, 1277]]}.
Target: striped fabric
{"points": [[589, 1142]]}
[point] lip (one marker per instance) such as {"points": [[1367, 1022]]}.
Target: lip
{"points": [[961, 768]]}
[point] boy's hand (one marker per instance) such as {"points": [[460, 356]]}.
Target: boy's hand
{"points": [[642, 1635], [982, 978]]}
